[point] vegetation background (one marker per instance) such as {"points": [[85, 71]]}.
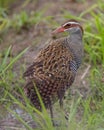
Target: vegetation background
{"points": [[25, 25]]}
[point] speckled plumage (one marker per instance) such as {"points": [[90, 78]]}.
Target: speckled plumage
{"points": [[54, 70]]}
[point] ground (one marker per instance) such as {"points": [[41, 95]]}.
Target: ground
{"points": [[36, 35]]}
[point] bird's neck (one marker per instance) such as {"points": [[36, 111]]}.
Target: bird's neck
{"points": [[76, 35], [74, 41]]}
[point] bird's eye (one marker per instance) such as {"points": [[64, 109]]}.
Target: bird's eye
{"points": [[67, 26]]}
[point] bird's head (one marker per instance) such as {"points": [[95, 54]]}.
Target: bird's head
{"points": [[72, 26]]}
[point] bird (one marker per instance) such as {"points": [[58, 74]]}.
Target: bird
{"points": [[55, 67]]}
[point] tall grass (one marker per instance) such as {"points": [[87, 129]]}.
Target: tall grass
{"points": [[6, 73]]}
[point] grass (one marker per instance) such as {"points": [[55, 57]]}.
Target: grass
{"points": [[21, 21], [5, 3], [11, 93]]}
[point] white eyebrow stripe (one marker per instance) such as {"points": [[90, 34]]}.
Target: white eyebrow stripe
{"points": [[71, 23]]}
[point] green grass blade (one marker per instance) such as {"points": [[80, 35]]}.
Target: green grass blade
{"points": [[3, 64], [14, 60]]}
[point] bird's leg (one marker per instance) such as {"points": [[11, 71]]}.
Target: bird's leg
{"points": [[51, 111], [67, 116], [60, 96]]}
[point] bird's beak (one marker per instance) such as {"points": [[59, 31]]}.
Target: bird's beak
{"points": [[58, 30]]}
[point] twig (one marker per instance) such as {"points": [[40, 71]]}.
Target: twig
{"points": [[85, 73]]}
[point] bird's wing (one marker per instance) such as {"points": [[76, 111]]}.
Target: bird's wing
{"points": [[55, 62]]}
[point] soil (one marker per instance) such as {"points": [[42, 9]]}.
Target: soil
{"points": [[36, 36]]}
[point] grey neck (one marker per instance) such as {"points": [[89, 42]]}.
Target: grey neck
{"points": [[74, 43], [76, 35]]}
